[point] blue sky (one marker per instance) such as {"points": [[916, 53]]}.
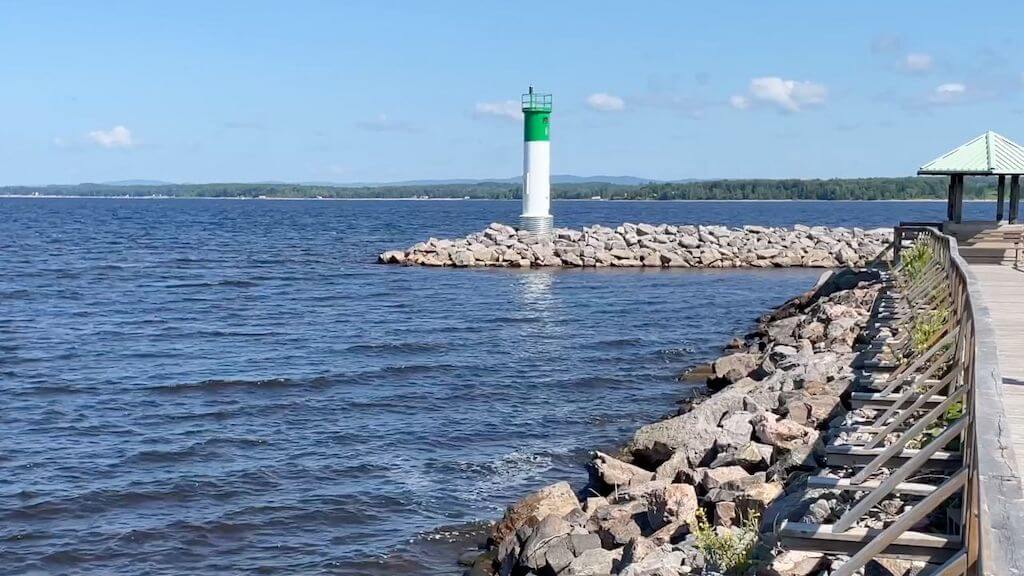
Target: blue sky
{"points": [[383, 91]]}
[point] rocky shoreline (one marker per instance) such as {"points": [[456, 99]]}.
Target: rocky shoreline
{"points": [[655, 246], [702, 491]]}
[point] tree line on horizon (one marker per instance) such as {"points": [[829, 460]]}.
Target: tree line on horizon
{"points": [[915, 187]]}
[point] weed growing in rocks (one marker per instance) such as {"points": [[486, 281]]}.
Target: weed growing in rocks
{"points": [[728, 550]]}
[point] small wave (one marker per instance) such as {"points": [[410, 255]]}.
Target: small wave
{"points": [[215, 385], [497, 320], [411, 369], [513, 465], [204, 449], [219, 283], [388, 347], [618, 343]]}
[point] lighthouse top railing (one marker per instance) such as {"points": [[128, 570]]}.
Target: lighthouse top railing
{"points": [[536, 102]]}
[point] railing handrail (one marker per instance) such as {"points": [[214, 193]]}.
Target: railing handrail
{"points": [[995, 531]]}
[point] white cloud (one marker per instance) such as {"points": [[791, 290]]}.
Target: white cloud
{"points": [[948, 93], [116, 137], [787, 95], [605, 102], [739, 102], [917, 62], [504, 109]]}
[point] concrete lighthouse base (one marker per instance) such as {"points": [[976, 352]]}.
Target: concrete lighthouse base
{"points": [[537, 225]]}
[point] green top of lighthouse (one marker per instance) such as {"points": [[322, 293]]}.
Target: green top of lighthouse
{"points": [[536, 113]]}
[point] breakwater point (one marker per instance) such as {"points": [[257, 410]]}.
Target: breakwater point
{"points": [[654, 246]]}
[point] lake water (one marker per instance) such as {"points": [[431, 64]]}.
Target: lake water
{"points": [[214, 387]]}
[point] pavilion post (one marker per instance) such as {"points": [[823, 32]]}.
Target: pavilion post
{"points": [[951, 198], [958, 206], [1014, 197], [1000, 197]]}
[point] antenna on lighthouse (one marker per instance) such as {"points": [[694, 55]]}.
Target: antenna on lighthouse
{"points": [[536, 217]]}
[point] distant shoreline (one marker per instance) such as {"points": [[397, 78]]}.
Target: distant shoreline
{"points": [[295, 198]]}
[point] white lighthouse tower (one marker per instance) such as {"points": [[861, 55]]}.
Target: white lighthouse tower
{"points": [[536, 217]]}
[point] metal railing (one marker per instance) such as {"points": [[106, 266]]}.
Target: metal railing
{"points": [[993, 515], [539, 102], [935, 435]]}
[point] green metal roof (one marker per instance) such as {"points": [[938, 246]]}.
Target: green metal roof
{"points": [[989, 153]]}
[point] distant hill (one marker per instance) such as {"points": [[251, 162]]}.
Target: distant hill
{"points": [[792, 189], [555, 179], [137, 183]]}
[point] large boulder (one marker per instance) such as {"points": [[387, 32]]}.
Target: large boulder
{"points": [[596, 562], [735, 429], [392, 257], [757, 498], [551, 533], [616, 524], [752, 456], [810, 409], [673, 505], [719, 477], [611, 472], [781, 432], [557, 499], [689, 439], [732, 368], [655, 560]]}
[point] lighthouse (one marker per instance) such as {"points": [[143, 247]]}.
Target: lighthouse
{"points": [[536, 217]]}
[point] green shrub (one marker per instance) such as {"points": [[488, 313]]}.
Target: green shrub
{"points": [[926, 326], [953, 413], [730, 552], [915, 260]]}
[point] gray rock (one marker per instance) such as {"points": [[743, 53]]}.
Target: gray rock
{"points": [[725, 513], [551, 529], [751, 456], [583, 542], [615, 523], [695, 432], [557, 499], [736, 429], [673, 260], [463, 258], [595, 562], [688, 241], [392, 257], [558, 554], [719, 477], [734, 367], [675, 504], [571, 260], [660, 561], [613, 472]]}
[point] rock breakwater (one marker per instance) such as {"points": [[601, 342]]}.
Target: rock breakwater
{"points": [[715, 476], [657, 246]]}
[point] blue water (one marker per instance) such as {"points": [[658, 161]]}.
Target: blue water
{"points": [[217, 387]]}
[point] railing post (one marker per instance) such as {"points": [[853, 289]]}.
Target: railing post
{"points": [[897, 244]]}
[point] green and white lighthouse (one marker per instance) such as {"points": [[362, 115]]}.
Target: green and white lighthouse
{"points": [[536, 217]]}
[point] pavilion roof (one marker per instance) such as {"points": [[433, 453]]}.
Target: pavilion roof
{"points": [[987, 154]]}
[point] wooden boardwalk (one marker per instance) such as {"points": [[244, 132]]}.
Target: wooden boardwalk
{"points": [[1002, 290]]}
